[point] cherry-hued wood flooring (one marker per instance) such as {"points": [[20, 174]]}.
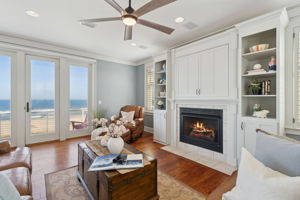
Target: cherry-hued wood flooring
{"points": [[54, 156]]}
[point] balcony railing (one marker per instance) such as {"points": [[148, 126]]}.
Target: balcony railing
{"points": [[42, 120]]}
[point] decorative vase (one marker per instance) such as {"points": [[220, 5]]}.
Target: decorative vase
{"points": [[115, 145]]}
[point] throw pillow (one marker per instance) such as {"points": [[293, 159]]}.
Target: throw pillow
{"points": [[256, 181], [127, 116], [279, 153], [7, 190]]}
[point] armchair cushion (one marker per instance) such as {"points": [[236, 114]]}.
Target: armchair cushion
{"points": [[138, 110], [21, 157], [128, 116], [5, 147]]}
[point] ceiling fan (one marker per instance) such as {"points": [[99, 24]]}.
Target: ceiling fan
{"points": [[130, 17]]}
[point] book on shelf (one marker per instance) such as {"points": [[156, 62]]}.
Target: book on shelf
{"points": [[114, 161], [256, 71]]}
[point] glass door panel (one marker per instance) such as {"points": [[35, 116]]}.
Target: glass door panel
{"points": [[5, 97], [41, 100], [42, 97], [78, 102]]}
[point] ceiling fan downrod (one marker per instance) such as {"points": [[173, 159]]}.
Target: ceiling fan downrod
{"points": [[129, 10]]}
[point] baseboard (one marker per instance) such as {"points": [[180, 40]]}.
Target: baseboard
{"points": [[148, 129]]}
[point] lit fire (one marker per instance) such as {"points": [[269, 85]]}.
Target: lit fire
{"points": [[200, 130]]}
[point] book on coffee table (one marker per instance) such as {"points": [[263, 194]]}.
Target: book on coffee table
{"points": [[114, 161]]}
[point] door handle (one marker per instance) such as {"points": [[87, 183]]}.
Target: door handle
{"points": [[242, 126], [199, 91], [196, 91], [27, 107]]}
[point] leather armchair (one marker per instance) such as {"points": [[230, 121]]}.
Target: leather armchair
{"points": [[16, 165], [21, 157], [137, 130]]}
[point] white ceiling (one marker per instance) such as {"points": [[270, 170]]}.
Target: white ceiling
{"points": [[58, 23]]}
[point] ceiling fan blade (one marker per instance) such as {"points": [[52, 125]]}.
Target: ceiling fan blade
{"points": [[128, 33], [152, 5], [158, 27], [116, 6], [101, 19]]}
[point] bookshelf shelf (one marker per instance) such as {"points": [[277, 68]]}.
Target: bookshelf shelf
{"points": [[263, 74], [260, 54], [259, 96]]}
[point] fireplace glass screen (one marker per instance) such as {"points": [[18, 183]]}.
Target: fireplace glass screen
{"points": [[202, 127]]}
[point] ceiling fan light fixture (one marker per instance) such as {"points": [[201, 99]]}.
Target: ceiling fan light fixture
{"points": [[129, 20]]}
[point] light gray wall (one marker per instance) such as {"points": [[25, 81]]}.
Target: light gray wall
{"points": [[116, 86], [140, 89], [119, 85]]}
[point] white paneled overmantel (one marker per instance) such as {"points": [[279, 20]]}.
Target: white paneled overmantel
{"points": [[205, 76], [206, 69]]}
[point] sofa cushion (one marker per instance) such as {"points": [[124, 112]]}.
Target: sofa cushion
{"points": [[21, 179], [7, 189], [278, 153], [21, 157], [256, 181]]}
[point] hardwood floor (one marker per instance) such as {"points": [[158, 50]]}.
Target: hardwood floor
{"points": [[54, 156]]}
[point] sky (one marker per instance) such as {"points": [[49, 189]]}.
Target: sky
{"points": [[5, 75], [42, 80]]}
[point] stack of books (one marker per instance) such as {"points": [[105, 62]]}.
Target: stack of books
{"points": [[256, 71], [114, 161]]}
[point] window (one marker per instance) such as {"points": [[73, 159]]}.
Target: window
{"points": [[149, 87], [42, 96], [5, 97]]}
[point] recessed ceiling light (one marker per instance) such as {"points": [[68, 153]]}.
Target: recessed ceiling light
{"points": [[179, 20], [133, 44], [32, 13]]}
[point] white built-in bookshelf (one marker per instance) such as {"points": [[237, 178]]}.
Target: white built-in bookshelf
{"points": [[248, 60], [160, 84]]}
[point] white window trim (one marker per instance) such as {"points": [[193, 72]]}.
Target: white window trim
{"points": [[291, 124]]}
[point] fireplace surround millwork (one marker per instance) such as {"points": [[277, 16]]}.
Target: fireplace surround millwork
{"points": [[202, 127]]}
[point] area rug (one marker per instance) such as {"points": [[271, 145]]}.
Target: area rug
{"points": [[64, 185]]}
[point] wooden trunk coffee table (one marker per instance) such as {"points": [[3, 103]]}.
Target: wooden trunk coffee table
{"points": [[137, 184]]}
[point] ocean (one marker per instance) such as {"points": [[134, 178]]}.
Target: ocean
{"points": [[43, 104]]}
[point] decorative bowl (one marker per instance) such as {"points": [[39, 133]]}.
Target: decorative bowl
{"points": [[259, 47]]}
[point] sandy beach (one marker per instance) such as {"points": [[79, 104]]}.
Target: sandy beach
{"points": [[38, 126]]}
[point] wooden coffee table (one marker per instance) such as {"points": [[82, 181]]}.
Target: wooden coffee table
{"points": [[138, 184]]}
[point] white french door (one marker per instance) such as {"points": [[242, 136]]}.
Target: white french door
{"points": [[79, 99], [42, 99]]}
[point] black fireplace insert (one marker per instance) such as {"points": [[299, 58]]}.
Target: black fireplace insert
{"points": [[202, 127]]}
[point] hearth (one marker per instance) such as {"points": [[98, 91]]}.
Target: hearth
{"points": [[202, 127]]}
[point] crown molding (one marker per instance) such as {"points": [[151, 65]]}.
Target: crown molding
{"points": [[44, 46]]}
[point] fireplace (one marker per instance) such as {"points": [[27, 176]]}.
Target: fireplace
{"points": [[202, 127]]}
